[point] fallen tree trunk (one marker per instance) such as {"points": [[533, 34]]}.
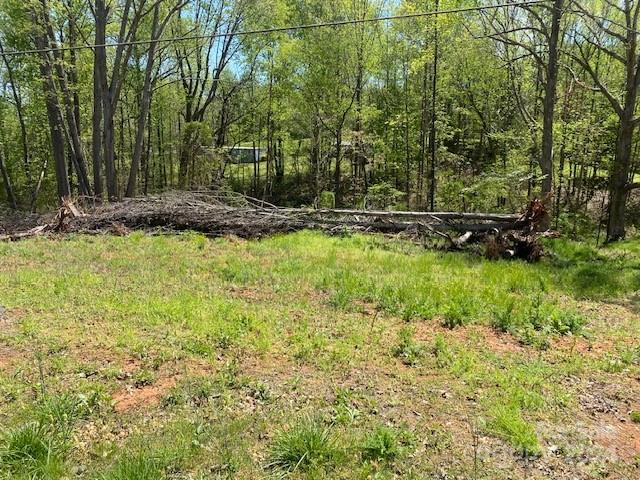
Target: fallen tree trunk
{"points": [[214, 216], [496, 217]]}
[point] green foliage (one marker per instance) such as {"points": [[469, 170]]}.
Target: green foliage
{"points": [[136, 466], [345, 412], [408, 350], [33, 451], [458, 313], [442, 352], [306, 445], [381, 444], [327, 200], [196, 391], [382, 196], [504, 319], [506, 421], [635, 416]]}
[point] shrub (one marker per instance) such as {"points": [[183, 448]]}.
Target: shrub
{"points": [[566, 322], [327, 200], [383, 195], [635, 416]]}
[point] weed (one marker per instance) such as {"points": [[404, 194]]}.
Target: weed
{"points": [[381, 444], [535, 315], [59, 412], [420, 309], [528, 335], [345, 412], [229, 376], [196, 391], [143, 377], [635, 416], [442, 352], [458, 313], [566, 322], [507, 423], [407, 349], [504, 320], [305, 446], [259, 391]]}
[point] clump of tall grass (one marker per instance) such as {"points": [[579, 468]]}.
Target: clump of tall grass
{"points": [[136, 466], [37, 449], [305, 446], [32, 450]]}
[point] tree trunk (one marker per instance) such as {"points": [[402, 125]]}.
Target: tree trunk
{"points": [[546, 158], [72, 128], [26, 156], [434, 117], [618, 181], [145, 103], [99, 89], [6, 181], [109, 150], [337, 178], [55, 122]]}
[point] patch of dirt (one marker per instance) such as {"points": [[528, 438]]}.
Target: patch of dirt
{"points": [[615, 396], [620, 438], [583, 346], [9, 318], [608, 403], [8, 355], [131, 397], [474, 334], [252, 294]]}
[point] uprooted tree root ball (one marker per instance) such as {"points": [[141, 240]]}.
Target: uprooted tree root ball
{"points": [[221, 213]]}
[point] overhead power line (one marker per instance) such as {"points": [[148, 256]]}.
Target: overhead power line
{"points": [[291, 28]]}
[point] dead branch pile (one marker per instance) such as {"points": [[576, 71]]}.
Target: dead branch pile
{"points": [[223, 213]]}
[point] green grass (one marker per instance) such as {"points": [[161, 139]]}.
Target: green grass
{"points": [[507, 422], [307, 445], [381, 444], [32, 451], [179, 356]]}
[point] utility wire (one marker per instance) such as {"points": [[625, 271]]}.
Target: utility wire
{"points": [[338, 23]]}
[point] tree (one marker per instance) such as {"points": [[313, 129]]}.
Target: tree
{"points": [[617, 39], [538, 35]]}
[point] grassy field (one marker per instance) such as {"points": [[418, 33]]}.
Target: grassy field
{"points": [[180, 357]]}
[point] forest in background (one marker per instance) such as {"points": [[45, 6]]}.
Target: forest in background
{"points": [[460, 109]]}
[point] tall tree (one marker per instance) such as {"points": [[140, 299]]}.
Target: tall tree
{"points": [[613, 32], [157, 29], [536, 34]]}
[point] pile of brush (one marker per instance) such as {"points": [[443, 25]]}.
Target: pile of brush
{"points": [[217, 213]]}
